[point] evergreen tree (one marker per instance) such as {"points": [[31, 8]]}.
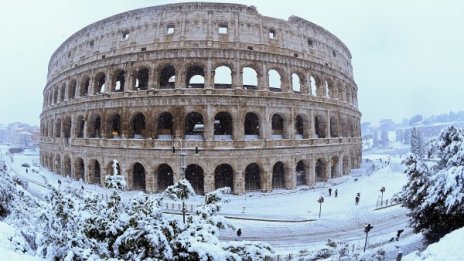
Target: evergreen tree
{"points": [[417, 143]]}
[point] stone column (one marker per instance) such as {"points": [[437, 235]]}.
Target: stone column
{"points": [[237, 78], [310, 171], [266, 178], [290, 128], [208, 182], [152, 79], [263, 79], [109, 81], [209, 124], [237, 128], [239, 183], [209, 76], [328, 168], [328, 125], [290, 176]]}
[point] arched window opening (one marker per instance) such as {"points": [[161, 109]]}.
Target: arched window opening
{"points": [[165, 126], [84, 88], [165, 177], [95, 126], [194, 174], [138, 126], [194, 126], [321, 170], [195, 77], [100, 80], [120, 81], [252, 178], [274, 81], [141, 80], [138, 177], [334, 170], [299, 127], [346, 165], [223, 126], [334, 127], [57, 167], [300, 173], [67, 127], [345, 127], [167, 77], [67, 166], [80, 124], [114, 122], [296, 83], [326, 89], [320, 127], [277, 127], [251, 126], [250, 78], [58, 128], [55, 97], [312, 83], [224, 177], [278, 175], [72, 90], [222, 77], [95, 172], [79, 169], [62, 92]]}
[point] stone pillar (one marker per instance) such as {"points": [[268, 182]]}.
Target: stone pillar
{"points": [[266, 178], [208, 182], [108, 81], [328, 168], [209, 76], [238, 126], [180, 78], [313, 124], [263, 79], [237, 78], [328, 125], [152, 79], [310, 173], [305, 85], [209, 124], [290, 176], [290, 128], [239, 183]]}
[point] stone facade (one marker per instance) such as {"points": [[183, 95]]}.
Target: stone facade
{"points": [[215, 92]]}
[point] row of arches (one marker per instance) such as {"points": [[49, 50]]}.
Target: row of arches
{"points": [[195, 125], [197, 75], [252, 178]]}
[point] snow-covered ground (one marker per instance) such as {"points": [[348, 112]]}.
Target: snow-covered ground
{"points": [[289, 219]]}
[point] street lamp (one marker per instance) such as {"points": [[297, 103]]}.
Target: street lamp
{"points": [[320, 200], [367, 228], [382, 189]]}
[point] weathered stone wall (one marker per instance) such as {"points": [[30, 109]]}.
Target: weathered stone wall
{"points": [[110, 83]]}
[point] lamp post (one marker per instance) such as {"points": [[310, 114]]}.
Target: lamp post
{"points": [[367, 228], [382, 190], [320, 200]]}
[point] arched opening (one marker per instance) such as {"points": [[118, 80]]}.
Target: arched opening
{"points": [[79, 169], [312, 83], [110, 171], [100, 80], [72, 90], [252, 178], [138, 177], [138, 126], [94, 130], [114, 122], [55, 96], [250, 78], [67, 166], [334, 170], [300, 174], [194, 126], [167, 77], [67, 127], [194, 174], [345, 127], [251, 126], [58, 128], [222, 77], [299, 127], [94, 172], [320, 127], [277, 127], [321, 170], [84, 88], [80, 125], [57, 167], [224, 177], [165, 126], [326, 89], [119, 81], [141, 79], [165, 177], [346, 165], [334, 127], [274, 81], [195, 77], [296, 83], [223, 126], [278, 175], [62, 92]]}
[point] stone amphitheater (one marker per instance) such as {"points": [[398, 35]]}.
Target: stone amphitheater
{"points": [[213, 92]]}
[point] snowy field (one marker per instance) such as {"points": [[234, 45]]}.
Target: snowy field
{"points": [[289, 219]]}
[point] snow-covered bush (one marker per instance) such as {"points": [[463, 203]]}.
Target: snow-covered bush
{"points": [[115, 181], [435, 190]]}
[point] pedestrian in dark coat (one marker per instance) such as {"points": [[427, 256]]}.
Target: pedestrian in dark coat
{"points": [[336, 192], [330, 191], [357, 200], [239, 233]]}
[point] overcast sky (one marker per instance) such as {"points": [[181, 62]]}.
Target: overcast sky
{"points": [[408, 55]]}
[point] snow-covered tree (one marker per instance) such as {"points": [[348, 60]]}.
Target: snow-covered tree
{"points": [[435, 191], [417, 143]]}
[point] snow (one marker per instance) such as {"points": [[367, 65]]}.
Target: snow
{"points": [[10, 244], [449, 248]]}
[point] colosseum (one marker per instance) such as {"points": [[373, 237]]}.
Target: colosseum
{"points": [[216, 93]]}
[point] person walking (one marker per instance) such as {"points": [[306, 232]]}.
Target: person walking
{"points": [[357, 199], [239, 233], [330, 191], [336, 192]]}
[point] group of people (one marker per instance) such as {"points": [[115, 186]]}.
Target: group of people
{"points": [[356, 199], [335, 192]]}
